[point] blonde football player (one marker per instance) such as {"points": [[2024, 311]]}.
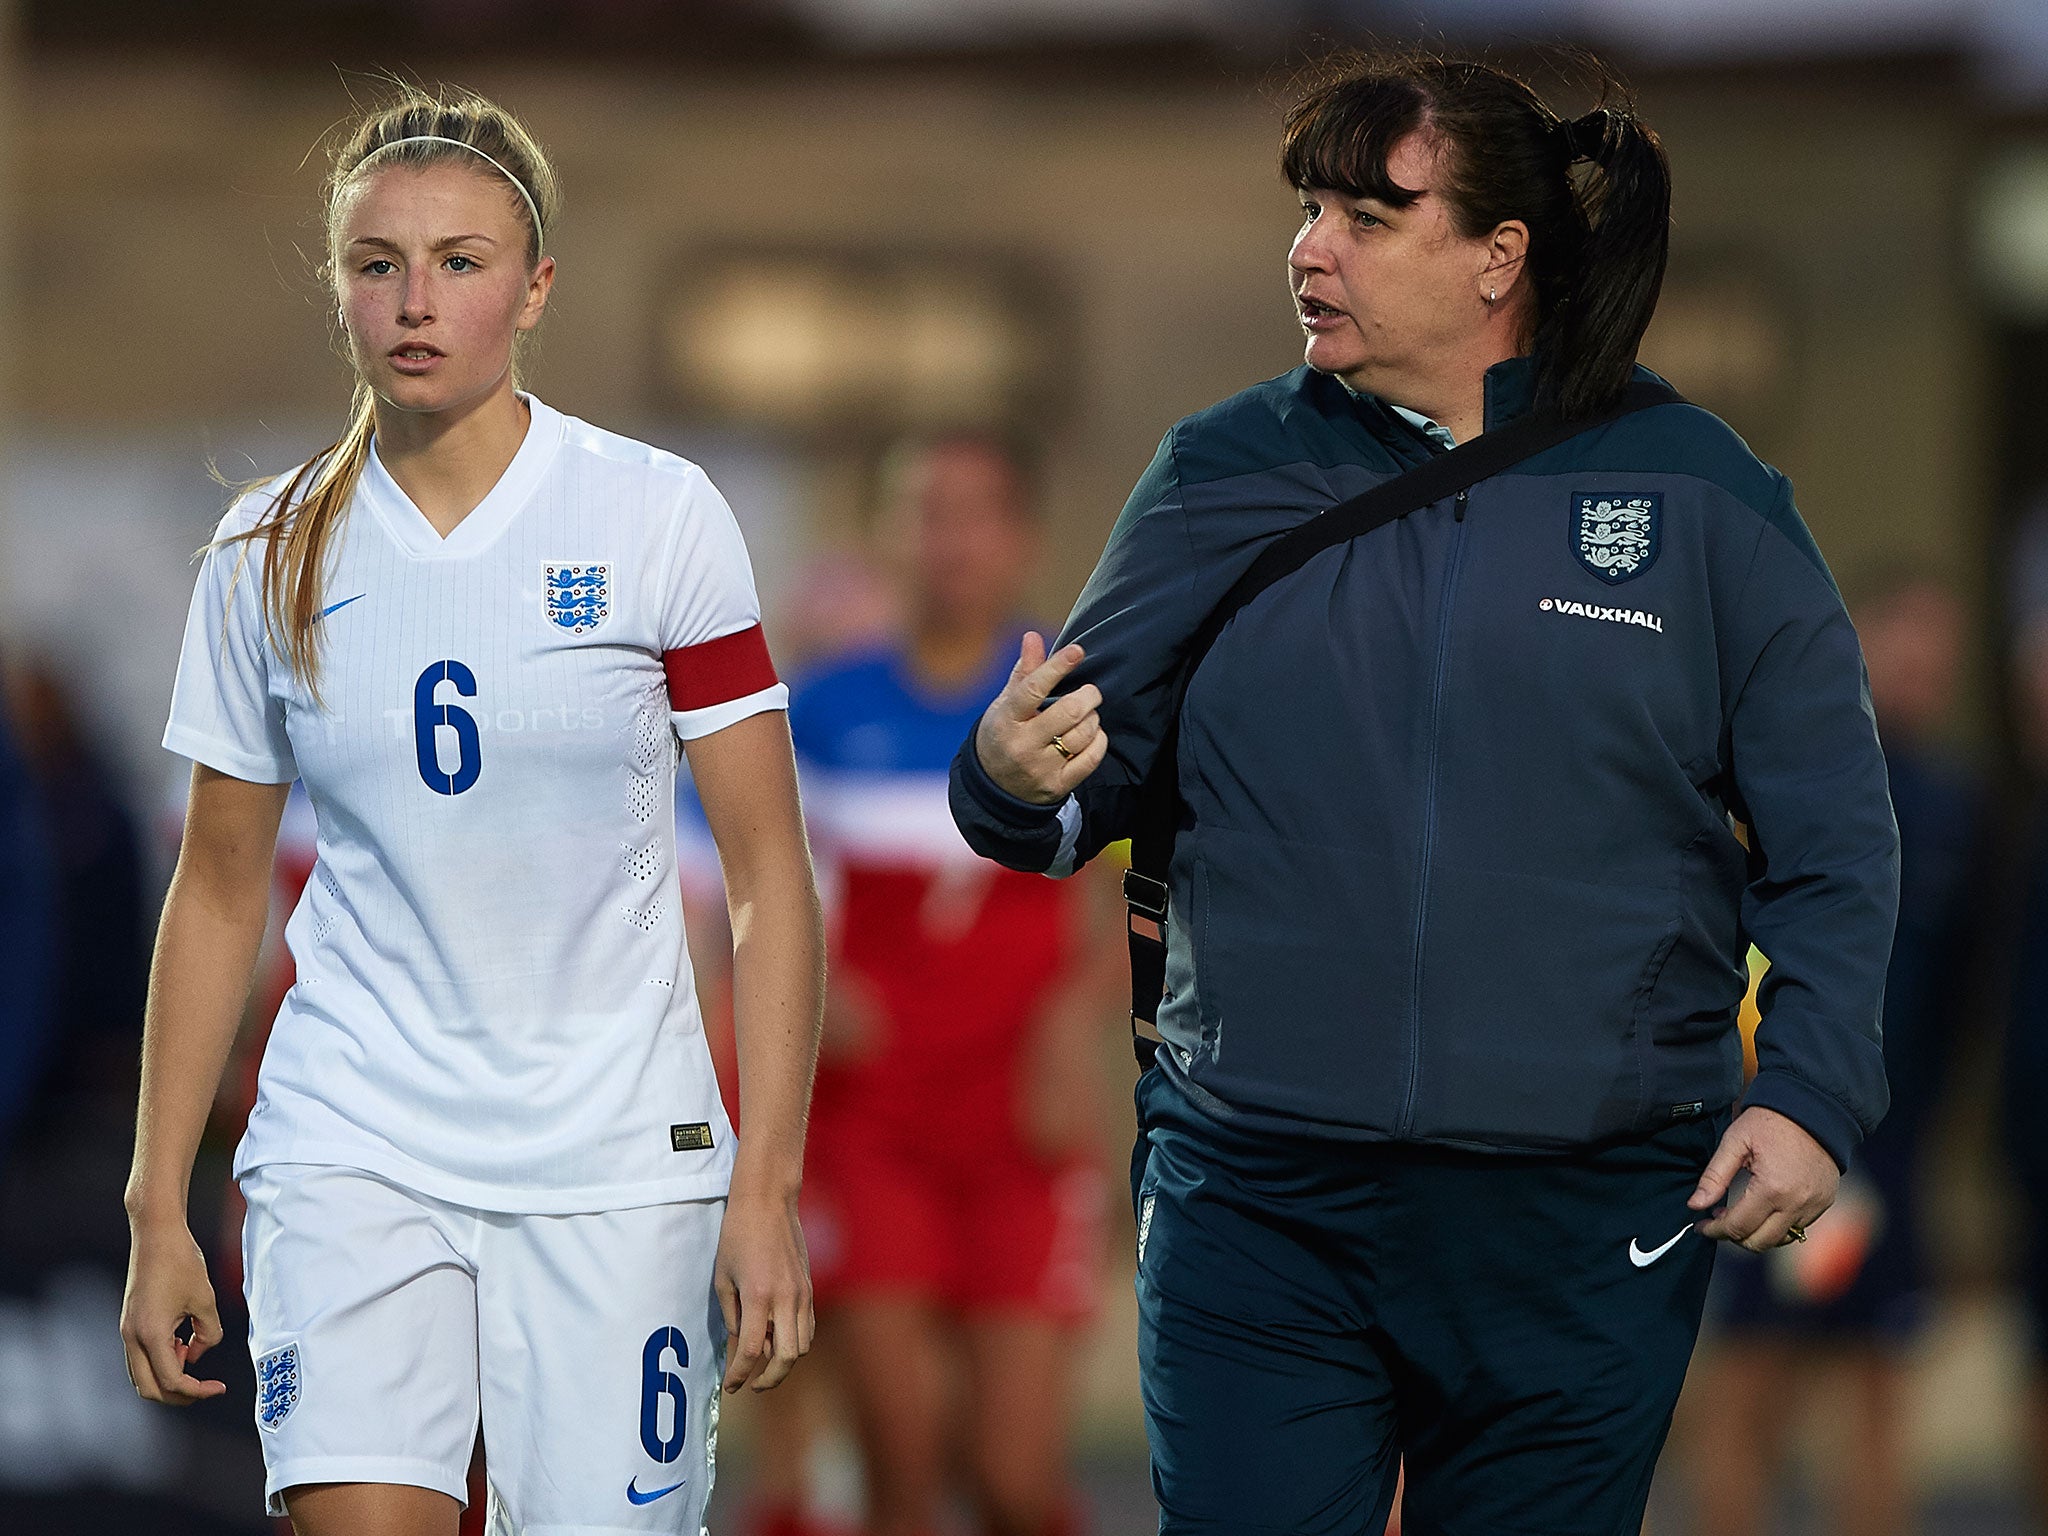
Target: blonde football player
{"points": [[488, 1174]]}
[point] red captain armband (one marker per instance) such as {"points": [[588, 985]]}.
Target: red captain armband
{"points": [[718, 671]]}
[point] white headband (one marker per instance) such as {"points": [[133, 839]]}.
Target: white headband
{"points": [[539, 231]]}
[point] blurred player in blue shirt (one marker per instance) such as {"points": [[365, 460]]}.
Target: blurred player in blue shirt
{"points": [[26, 897], [954, 1196], [1854, 1298]]}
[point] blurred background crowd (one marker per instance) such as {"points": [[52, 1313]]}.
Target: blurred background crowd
{"points": [[921, 282]]}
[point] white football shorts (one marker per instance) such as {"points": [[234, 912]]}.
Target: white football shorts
{"points": [[385, 1325]]}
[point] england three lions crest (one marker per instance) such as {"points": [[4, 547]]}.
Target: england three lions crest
{"points": [[277, 1386], [579, 597], [1616, 536]]}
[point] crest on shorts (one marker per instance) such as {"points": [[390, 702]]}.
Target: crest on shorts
{"points": [[579, 597], [1616, 536], [277, 1386]]}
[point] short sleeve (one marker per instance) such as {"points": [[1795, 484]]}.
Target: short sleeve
{"points": [[223, 713], [713, 649]]}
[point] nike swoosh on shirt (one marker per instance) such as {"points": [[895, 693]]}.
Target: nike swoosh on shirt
{"points": [[635, 1496], [331, 607], [1643, 1260]]}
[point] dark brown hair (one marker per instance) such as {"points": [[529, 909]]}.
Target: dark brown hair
{"points": [[298, 528], [1597, 239]]}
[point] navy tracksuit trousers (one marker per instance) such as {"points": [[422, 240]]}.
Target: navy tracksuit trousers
{"points": [[1313, 1313]]}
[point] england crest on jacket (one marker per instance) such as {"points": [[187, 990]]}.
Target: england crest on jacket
{"points": [[1616, 536], [579, 597]]}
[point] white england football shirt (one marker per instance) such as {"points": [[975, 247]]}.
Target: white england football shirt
{"points": [[494, 1005]]}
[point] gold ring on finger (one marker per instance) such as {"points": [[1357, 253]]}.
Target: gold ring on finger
{"points": [[1795, 1234], [1061, 747]]}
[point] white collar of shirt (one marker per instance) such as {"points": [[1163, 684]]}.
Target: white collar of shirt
{"points": [[1436, 432], [515, 487]]}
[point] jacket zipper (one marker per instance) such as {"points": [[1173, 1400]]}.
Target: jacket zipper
{"points": [[1436, 703]]}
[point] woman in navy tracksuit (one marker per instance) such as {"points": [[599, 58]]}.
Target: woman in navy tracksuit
{"points": [[1445, 1113]]}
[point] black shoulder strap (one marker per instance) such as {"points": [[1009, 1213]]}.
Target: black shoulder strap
{"points": [[1158, 813]]}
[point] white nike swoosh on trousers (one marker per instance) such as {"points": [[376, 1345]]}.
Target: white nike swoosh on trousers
{"points": [[1643, 1260]]}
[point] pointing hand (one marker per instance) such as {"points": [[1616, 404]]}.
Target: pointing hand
{"points": [[1037, 751]]}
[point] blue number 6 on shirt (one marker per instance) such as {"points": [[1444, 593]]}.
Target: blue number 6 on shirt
{"points": [[427, 715]]}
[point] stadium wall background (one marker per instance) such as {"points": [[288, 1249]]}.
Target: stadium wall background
{"points": [[164, 233]]}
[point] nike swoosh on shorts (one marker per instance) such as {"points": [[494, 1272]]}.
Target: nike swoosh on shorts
{"points": [[1643, 1260], [635, 1496]]}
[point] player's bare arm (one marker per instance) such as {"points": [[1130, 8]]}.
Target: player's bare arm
{"points": [[1037, 751], [205, 955], [746, 778]]}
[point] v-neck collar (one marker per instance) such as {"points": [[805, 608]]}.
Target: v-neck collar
{"points": [[407, 524]]}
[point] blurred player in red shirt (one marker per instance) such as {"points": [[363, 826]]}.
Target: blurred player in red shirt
{"points": [[955, 1197]]}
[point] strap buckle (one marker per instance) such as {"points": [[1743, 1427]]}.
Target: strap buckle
{"points": [[1145, 928], [1145, 896]]}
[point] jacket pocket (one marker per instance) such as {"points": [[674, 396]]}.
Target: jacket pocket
{"points": [[1686, 1038], [1303, 963], [1532, 998]]}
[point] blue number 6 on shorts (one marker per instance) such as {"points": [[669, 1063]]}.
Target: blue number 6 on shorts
{"points": [[655, 1384]]}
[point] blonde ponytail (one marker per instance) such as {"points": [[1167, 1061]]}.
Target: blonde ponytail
{"points": [[298, 530]]}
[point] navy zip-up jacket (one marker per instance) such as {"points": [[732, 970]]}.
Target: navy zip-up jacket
{"points": [[1456, 862]]}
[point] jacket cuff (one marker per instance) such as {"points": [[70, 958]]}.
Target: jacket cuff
{"points": [[996, 824], [1813, 1111], [995, 801]]}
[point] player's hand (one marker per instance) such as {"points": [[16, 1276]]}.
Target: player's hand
{"points": [[168, 1295], [1014, 738], [1792, 1180], [763, 1280]]}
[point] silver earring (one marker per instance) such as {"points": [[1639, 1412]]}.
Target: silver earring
{"points": [[1491, 295]]}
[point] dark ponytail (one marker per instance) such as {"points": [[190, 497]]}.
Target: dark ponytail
{"points": [[1598, 237], [1585, 348]]}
